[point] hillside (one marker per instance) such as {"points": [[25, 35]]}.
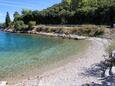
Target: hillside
{"points": [[68, 12], [79, 11]]}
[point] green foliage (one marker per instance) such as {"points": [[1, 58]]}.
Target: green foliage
{"points": [[19, 25], [71, 12], [99, 32], [31, 24], [76, 12], [17, 16], [7, 21], [67, 1], [26, 11], [111, 47]]}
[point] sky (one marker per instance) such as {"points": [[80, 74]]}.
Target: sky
{"points": [[17, 5]]}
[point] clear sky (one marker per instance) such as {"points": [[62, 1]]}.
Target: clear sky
{"points": [[17, 5]]}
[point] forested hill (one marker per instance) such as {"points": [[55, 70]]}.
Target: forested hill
{"points": [[69, 12], [78, 11]]}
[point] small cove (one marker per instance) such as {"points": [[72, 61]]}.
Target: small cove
{"points": [[20, 53]]}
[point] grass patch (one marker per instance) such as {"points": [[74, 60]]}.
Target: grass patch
{"points": [[85, 30]]}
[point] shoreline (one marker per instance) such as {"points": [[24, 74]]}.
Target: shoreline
{"points": [[69, 36], [38, 72], [67, 75], [65, 61], [52, 34]]}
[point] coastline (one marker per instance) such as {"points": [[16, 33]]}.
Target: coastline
{"points": [[66, 44], [69, 36], [38, 72], [79, 32], [71, 73], [69, 43]]}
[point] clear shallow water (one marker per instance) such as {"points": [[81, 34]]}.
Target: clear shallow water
{"points": [[20, 53]]}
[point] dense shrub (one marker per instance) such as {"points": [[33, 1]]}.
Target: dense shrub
{"points": [[19, 25], [31, 24], [99, 32]]}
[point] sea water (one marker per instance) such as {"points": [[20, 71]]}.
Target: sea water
{"points": [[20, 53]]}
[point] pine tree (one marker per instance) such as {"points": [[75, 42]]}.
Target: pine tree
{"points": [[8, 20]]}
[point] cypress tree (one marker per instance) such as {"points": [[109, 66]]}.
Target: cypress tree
{"points": [[8, 20]]}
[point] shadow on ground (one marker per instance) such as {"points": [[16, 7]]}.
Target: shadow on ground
{"points": [[98, 71]]}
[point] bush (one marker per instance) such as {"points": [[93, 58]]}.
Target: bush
{"points": [[99, 32], [19, 25], [113, 31], [111, 47], [31, 24], [90, 30], [85, 30], [49, 29]]}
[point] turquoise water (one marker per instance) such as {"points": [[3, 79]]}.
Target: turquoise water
{"points": [[20, 52]]}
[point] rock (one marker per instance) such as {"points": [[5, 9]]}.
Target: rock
{"points": [[3, 83], [86, 84], [113, 70], [107, 72]]}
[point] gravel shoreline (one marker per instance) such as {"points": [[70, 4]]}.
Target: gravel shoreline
{"points": [[73, 73]]}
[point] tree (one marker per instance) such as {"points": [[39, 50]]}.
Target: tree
{"points": [[27, 15], [26, 11], [7, 21], [17, 16], [72, 12], [67, 1]]}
